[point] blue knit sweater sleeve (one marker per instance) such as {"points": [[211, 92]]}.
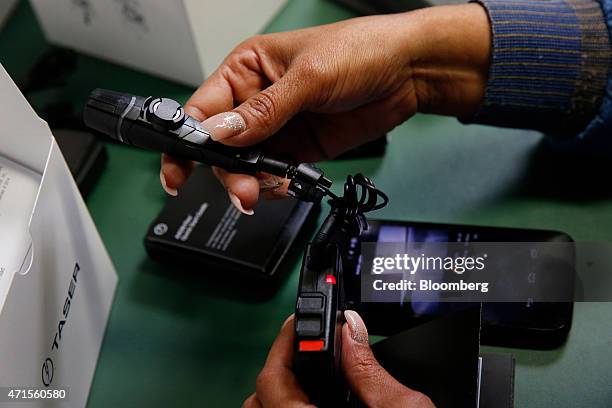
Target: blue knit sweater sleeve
{"points": [[550, 68], [598, 134]]}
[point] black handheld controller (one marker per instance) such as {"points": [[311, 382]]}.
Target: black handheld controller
{"points": [[161, 124], [320, 300]]}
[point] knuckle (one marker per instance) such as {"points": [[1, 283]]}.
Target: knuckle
{"points": [[314, 70], [252, 42], [250, 50], [403, 105], [264, 378], [318, 78], [365, 367], [263, 107], [233, 61]]}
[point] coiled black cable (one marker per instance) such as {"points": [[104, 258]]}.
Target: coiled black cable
{"points": [[347, 215], [347, 212], [360, 196]]}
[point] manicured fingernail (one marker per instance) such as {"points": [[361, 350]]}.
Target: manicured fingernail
{"points": [[236, 201], [287, 320], [172, 191], [194, 112], [356, 326], [224, 125]]}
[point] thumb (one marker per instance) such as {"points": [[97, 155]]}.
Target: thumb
{"points": [[366, 378], [261, 115]]}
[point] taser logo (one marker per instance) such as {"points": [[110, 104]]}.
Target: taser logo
{"points": [[47, 372], [48, 367]]}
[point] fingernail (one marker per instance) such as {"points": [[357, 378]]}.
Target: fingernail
{"points": [[356, 326], [287, 320], [172, 191], [224, 125], [236, 201], [194, 112]]}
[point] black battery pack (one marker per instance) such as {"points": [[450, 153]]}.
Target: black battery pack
{"points": [[202, 236], [85, 155]]}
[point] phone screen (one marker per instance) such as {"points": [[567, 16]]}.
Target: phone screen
{"points": [[522, 324]]}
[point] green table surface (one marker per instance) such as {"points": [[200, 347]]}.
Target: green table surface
{"points": [[169, 343]]}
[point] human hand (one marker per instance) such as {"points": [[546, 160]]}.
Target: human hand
{"points": [[277, 385], [312, 94]]}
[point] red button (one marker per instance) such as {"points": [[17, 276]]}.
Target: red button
{"points": [[311, 345], [331, 279]]}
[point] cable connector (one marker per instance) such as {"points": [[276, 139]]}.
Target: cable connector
{"points": [[308, 183]]}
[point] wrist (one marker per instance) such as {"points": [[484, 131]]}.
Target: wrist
{"points": [[450, 59]]}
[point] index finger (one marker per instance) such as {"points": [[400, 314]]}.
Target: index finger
{"points": [[213, 96]]}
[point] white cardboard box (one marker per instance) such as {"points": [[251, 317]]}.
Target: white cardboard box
{"points": [[56, 279], [182, 40]]}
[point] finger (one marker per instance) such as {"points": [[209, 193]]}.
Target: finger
{"points": [[313, 137], [297, 141], [340, 132], [213, 96], [372, 384], [216, 94], [242, 189], [261, 115], [252, 402], [174, 172], [276, 385], [238, 78], [247, 73], [272, 187]]}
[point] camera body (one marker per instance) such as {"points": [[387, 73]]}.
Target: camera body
{"points": [[318, 325], [321, 300]]}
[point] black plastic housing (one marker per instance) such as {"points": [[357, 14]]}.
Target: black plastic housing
{"points": [[318, 320]]}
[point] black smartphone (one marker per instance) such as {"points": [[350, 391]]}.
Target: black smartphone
{"points": [[528, 324]]}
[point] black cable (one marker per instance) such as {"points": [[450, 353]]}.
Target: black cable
{"points": [[348, 212], [360, 196]]}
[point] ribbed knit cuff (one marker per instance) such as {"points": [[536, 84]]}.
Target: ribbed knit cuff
{"points": [[549, 65]]}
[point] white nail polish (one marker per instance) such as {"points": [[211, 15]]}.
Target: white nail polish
{"points": [[172, 191], [232, 120], [357, 328], [236, 201], [224, 125]]}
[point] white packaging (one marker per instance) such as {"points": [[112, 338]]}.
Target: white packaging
{"points": [[56, 278], [182, 40]]}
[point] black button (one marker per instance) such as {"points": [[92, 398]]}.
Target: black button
{"points": [[165, 114], [309, 326], [311, 304]]}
